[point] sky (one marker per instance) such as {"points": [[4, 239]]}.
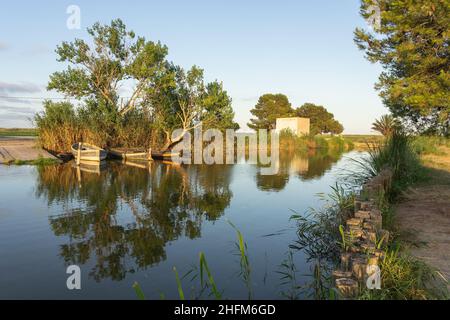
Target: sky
{"points": [[301, 48]]}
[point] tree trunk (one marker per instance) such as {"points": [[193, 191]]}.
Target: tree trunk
{"points": [[172, 143]]}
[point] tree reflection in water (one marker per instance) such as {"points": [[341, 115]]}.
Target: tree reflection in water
{"points": [[121, 218], [156, 205], [305, 165]]}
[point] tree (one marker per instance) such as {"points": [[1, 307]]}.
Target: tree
{"points": [[321, 120], [411, 42], [268, 109], [96, 72], [162, 94], [385, 125], [185, 102]]}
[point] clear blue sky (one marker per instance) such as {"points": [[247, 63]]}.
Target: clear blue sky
{"points": [[301, 48]]}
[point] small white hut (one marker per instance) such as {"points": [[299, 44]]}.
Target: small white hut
{"points": [[299, 126]]}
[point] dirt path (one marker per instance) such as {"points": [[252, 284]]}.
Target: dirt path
{"points": [[21, 148], [423, 216]]}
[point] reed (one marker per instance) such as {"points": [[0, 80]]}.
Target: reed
{"points": [[61, 124], [290, 141], [396, 153]]}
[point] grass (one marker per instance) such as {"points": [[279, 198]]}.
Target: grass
{"points": [[38, 162], [404, 277], [425, 145], [18, 132]]}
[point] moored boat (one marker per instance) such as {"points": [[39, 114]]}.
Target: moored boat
{"points": [[88, 152], [164, 156], [129, 154]]}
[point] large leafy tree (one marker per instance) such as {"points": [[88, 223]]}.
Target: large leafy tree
{"points": [[321, 120], [96, 72], [165, 94], [268, 109], [183, 100], [411, 42]]}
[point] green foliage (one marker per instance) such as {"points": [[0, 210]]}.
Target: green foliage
{"points": [[268, 109], [288, 277], [397, 154], [185, 101], [319, 238], [245, 272], [290, 141], [406, 278], [40, 162], [273, 106], [96, 72], [179, 286], [205, 269], [386, 125], [321, 120], [163, 96], [318, 230], [412, 45]]}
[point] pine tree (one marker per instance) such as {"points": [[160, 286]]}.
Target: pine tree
{"points": [[411, 42]]}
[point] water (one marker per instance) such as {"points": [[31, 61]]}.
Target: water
{"points": [[125, 223]]}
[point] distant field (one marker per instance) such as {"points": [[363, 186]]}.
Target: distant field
{"points": [[17, 132], [363, 141], [363, 138]]}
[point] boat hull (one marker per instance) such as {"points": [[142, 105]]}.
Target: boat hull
{"points": [[164, 156], [89, 153], [128, 154]]}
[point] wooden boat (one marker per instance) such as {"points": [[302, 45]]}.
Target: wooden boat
{"points": [[164, 156], [129, 154], [88, 152]]}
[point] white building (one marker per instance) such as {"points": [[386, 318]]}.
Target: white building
{"points": [[298, 126]]}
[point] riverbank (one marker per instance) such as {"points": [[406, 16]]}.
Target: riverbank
{"points": [[405, 275], [23, 150], [423, 214]]}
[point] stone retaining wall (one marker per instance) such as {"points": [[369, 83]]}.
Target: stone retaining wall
{"points": [[364, 238]]}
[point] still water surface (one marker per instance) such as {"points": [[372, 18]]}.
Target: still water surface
{"points": [[130, 222]]}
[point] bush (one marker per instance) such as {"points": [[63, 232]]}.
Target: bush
{"points": [[290, 141]]}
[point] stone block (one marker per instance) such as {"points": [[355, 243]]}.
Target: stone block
{"points": [[359, 265], [370, 235], [375, 214], [368, 246], [368, 225], [347, 287], [354, 222], [337, 274], [362, 214]]}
